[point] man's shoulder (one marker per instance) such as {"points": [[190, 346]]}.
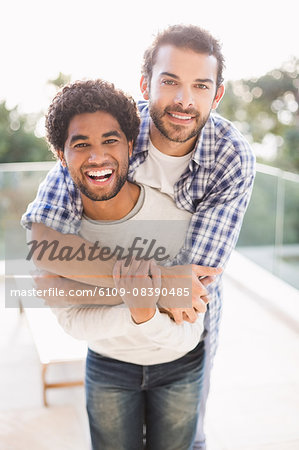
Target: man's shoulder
{"points": [[229, 142], [142, 107], [55, 176], [226, 131]]}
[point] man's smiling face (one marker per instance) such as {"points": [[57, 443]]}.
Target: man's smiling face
{"points": [[96, 153], [182, 92]]}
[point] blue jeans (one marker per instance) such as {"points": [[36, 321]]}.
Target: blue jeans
{"points": [[121, 397]]}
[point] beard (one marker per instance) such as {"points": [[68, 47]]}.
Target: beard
{"points": [[84, 188], [173, 132], [101, 197]]}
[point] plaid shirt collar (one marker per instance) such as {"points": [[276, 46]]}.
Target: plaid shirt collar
{"points": [[204, 151]]}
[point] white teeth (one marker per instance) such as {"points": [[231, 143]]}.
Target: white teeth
{"points": [[99, 173], [181, 117]]}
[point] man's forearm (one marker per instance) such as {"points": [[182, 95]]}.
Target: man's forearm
{"points": [[177, 286], [69, 256], [60, 292]]}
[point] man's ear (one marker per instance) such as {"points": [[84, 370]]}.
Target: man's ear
{"points": [[218, 96], [130, 147], [144, 87], [61, 157]]}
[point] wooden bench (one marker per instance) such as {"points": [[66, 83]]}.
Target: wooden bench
{"points": [[54, 346]]}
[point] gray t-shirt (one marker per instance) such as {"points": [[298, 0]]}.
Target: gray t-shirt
{"points": [[110, 331]]}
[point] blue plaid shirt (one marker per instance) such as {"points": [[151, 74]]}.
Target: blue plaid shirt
{"points": [[215, 188]]}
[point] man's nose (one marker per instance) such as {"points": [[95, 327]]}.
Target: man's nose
{"points": [[184, 97], [97, 154]]}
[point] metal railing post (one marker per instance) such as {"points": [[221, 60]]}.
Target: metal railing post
{"points": [[279, 223]]}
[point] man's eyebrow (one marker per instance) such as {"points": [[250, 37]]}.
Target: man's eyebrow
{"points": [[78, 137], [168, 74], [176, 77], [111, 133], [82, 137], [204, 80]]}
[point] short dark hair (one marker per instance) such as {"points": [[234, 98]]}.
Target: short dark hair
{"points": [[184, 36], [88, 97]]}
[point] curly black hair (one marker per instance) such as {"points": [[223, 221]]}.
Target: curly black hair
{"points": [[88, 97], [184, 36]]}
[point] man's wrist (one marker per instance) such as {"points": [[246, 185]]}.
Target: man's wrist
{"points": [[141, 315]]}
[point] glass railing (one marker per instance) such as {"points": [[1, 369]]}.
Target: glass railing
{"points": [[270, 232], [18, 187]]}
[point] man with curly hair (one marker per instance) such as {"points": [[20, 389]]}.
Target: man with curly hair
{"points": [[186, 152], [142, 367]]}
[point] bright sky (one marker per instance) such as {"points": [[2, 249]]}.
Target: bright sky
{"points": [[106, 39]]}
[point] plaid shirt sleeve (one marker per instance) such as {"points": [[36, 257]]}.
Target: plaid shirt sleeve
{"points": [[218, 198], [57, 204]]}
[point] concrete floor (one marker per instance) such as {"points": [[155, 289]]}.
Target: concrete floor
{"points": [[254, 400]]}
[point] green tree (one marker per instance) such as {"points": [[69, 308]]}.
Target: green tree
{"points": [[60, 80], [266, 110], [17, 139], [18, 142]]}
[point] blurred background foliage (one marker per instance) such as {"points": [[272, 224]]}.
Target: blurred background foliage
{"points": [[18, 141], [266, 110], [20, 138]]}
